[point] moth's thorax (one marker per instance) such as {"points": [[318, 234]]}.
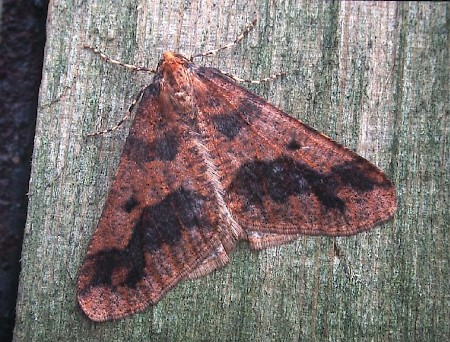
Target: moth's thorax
{"points": [[176, 80]]}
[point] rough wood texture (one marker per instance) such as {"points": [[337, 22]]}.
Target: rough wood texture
{"points": [[373, 76]]}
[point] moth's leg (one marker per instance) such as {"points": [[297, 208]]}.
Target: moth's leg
{"points": [[263, 80], [126, 117], [132, 67], [108, 59], [229, 45], [346, 262]]}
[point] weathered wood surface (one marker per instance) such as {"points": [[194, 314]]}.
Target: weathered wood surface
{"points": [[373, 76]]}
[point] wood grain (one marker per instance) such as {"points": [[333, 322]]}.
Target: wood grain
{"points": [[373, 76]]}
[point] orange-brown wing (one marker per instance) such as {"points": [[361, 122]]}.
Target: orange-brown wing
{"points": [[161, 219], [282, 177]]}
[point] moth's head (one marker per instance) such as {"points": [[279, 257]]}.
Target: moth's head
{"points": [[173, 68], [174, 75]]}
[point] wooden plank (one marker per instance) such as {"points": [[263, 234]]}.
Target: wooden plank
{"points": [[374, 76]]}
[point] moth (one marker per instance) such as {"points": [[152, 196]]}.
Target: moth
{"points": [[207, 163]]}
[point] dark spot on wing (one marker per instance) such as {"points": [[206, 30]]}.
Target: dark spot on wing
{"points": [[248, 109], [141, 152], [107, 261], [138, 150], [228, 124], [284, 177], [357, 175], [213, 102], [166, 147], [151, 90], [162, 223], [159, 224], [130, 204], [293, 145]]}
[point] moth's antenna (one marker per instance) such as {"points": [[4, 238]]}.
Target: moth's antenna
{"points": [[108, 59], [126, 117], [229, 45]]}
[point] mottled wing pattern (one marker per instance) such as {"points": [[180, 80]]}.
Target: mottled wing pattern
{"points": [[207, 162], [161, 219], [281, 177]]}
